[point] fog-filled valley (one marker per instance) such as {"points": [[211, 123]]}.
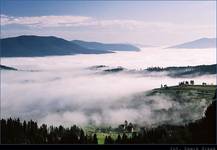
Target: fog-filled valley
{"points": [[63, 90]]}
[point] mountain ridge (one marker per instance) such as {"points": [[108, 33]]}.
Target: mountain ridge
{"points": [[38, 46], [107, 46], [199, 43], [34, 46]]}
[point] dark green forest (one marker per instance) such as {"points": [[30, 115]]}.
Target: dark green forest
{"points": [[13, 131]]}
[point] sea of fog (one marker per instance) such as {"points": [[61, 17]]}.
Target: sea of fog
{"points": [[63, 90]]}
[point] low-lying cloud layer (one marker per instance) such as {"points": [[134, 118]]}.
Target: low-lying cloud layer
{"points": [[64, 91]]}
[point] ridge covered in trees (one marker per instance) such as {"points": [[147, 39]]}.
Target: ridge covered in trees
{"points": [[187, 70]]}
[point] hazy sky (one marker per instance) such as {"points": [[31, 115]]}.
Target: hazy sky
{"points": [[143, 22]]}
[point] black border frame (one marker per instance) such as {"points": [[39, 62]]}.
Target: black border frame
{"points": [[112, 146]]}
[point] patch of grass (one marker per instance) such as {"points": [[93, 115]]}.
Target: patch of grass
{"points": [[101, 136]]}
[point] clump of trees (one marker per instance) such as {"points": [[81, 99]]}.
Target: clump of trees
{"points": [[155, 69], [115, 69], [126, 127], [13, 131]]}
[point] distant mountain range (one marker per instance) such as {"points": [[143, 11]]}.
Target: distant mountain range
{"points": [[34, 46], [143, 45], [107, 46], [200, 43]]}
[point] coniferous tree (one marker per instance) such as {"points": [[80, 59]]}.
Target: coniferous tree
{"points": [[106, 140], [118, 140], [95, 141]]}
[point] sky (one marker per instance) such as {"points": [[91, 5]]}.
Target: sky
{"points": [[141, 22]]}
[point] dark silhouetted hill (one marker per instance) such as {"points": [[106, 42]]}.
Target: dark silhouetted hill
{"points": [[33, 46]]}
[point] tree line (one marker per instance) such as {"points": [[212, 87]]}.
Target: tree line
{"points": [[13, 131]]}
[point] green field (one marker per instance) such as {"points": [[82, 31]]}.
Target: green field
{"points": [[90, 130], [101, 136]]}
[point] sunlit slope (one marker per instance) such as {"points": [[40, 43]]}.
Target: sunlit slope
{"points": [[189, 91], [193, 99]]}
